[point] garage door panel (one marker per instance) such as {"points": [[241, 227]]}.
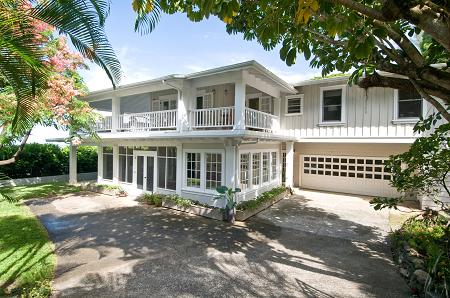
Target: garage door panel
{"points": [[349, 174]]}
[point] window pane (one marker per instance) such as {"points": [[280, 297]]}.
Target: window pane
{"points": [[245, 159], [408, 94], [171, 173], [107, 166], [193, 170], [294, 105], [332, 97], [274, 165], [172, 151], [122, 168], [213, 170], [409, 108], [331, 113], [162, 151], [122, 150], [162, 172], [130, 169], [107, 150], [256, 164], [265, 166]]}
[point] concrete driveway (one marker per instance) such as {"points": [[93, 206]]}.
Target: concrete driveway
{"points": [[111, 247]]}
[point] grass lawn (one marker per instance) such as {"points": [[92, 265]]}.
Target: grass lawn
{"points": [[26, 252]]}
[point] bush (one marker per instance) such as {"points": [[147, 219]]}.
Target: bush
{"points": [[153, 199], [429, 236], [261, 199], [38, 160]]}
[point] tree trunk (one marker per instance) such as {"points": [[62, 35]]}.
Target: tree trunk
{"points": [[14, 158]]}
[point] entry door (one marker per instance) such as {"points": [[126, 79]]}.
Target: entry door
{"points": [[145, 171]]}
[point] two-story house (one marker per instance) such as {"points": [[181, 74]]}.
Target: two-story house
{"points": [[242, 126]]}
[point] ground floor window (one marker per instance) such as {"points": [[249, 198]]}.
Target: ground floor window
{"points": [[257, 168], [204, 169], [167, 167], [126, 164], [283, 167], [107, 163]]}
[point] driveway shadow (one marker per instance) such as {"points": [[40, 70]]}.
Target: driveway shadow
{"points": [[143, 251]]}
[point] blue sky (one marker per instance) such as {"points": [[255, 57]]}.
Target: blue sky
{"points": [[177, 45]]}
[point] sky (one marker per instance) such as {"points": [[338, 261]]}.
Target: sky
{"points": [[177, 46]]}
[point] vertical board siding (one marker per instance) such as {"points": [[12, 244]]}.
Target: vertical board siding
{"points": [[368, 114]]}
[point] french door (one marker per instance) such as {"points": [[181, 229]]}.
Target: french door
{"points": [[145, 170]]}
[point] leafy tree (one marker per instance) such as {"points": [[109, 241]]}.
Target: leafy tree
{"points": [[377, 39]]}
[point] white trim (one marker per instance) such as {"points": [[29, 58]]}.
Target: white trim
{"points": [[137, 153], [404, 120], [287, 104], [202, 188], [252, 187], [343, 105]]}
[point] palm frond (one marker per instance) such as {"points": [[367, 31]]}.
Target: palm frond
{"points": [[80, 20], [148, 13]]}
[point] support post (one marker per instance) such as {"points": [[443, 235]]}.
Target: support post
{"points": [[99, 164], [230, 166], [116, 164], [72, 164], [179, 169], [239, 104], [115, 113], [289, 164]]}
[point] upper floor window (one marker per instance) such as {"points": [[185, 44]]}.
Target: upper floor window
{"points": [[332, 104], [205, 100], [164, 103], [294, 104], [408, 104]]}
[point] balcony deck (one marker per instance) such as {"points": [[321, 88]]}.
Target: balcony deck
{"points": [[223, 118]]}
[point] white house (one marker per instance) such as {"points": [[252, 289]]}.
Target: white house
{"points": [[242, 126]]}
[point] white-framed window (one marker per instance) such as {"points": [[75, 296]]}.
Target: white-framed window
{"points": [[332, 104], [257, 167], [408, 105], [204, 169], [204, 100], [126, 164], [164, 103], [260, 102], [244, 171], [107, 163], [294, 105], [265, 104], [167, 167], [283, 166]]}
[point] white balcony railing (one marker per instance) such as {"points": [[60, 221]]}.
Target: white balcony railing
{"points": [[104, 124], [212, 117], [260, 120], [148, 121]]}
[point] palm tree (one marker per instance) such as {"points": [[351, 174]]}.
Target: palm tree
{"points": [[22, 63]]}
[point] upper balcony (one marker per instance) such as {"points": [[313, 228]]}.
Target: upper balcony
{"points": [[244, 97]]}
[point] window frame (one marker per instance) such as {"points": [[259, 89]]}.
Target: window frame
{"points": [[295, 96], [203, 153], [103, 162], [203, 94], [127, 155], [252, 186], [396, 118], [342, 121], [166, 157]]}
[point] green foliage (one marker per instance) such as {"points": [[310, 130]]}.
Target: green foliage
{"points": [[261, 199], [424, 168], [179, 200], [38, 160], [429, 235], [153, 199], [228, 194], [18, 193], [27, 259]]}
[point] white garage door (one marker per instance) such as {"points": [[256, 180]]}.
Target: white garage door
{"points": [[347, 174]]}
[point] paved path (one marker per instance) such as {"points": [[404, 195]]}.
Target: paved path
{"points": [[110, 247]]}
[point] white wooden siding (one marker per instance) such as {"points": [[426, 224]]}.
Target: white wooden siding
{"points": [[367, 114]]}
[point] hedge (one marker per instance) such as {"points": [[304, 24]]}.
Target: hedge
{"points": [[38, 160]]}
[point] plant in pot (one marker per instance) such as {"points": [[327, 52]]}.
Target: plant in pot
{"points": [[229, 195]]}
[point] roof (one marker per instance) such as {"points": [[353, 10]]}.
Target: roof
{"points": [[233, 67], [322, 81]]}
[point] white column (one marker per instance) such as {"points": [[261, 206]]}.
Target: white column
{"points": [[115, 112], [184, 96], [72, 164], [99, 164], [230, 166], [239, 104], [289, 164], [180, 173], [116, 164]]}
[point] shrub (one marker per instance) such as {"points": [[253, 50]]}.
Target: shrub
{"points": [[153, 199], [38, 160], [429, 236], [261, 199], [179, 201]]}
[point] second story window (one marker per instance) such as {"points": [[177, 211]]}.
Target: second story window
{"points": [[294, 104], [408, 105], [332, 104], [205, 101]]}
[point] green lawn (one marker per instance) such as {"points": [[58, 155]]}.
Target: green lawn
{"points": [[26, 252]]}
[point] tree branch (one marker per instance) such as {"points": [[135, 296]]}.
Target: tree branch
{"points": [[325, 38], [441, 109], [14, 158]]}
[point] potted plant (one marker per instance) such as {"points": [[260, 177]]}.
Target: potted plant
{"points": [[229, 195]]}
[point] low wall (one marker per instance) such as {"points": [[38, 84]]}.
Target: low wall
{"points": [[47, 179]]}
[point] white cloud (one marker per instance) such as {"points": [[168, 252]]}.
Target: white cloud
{"points": [[39, 134]]}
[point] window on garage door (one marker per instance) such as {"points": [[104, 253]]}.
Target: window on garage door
{"points": [[346, 166]]}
